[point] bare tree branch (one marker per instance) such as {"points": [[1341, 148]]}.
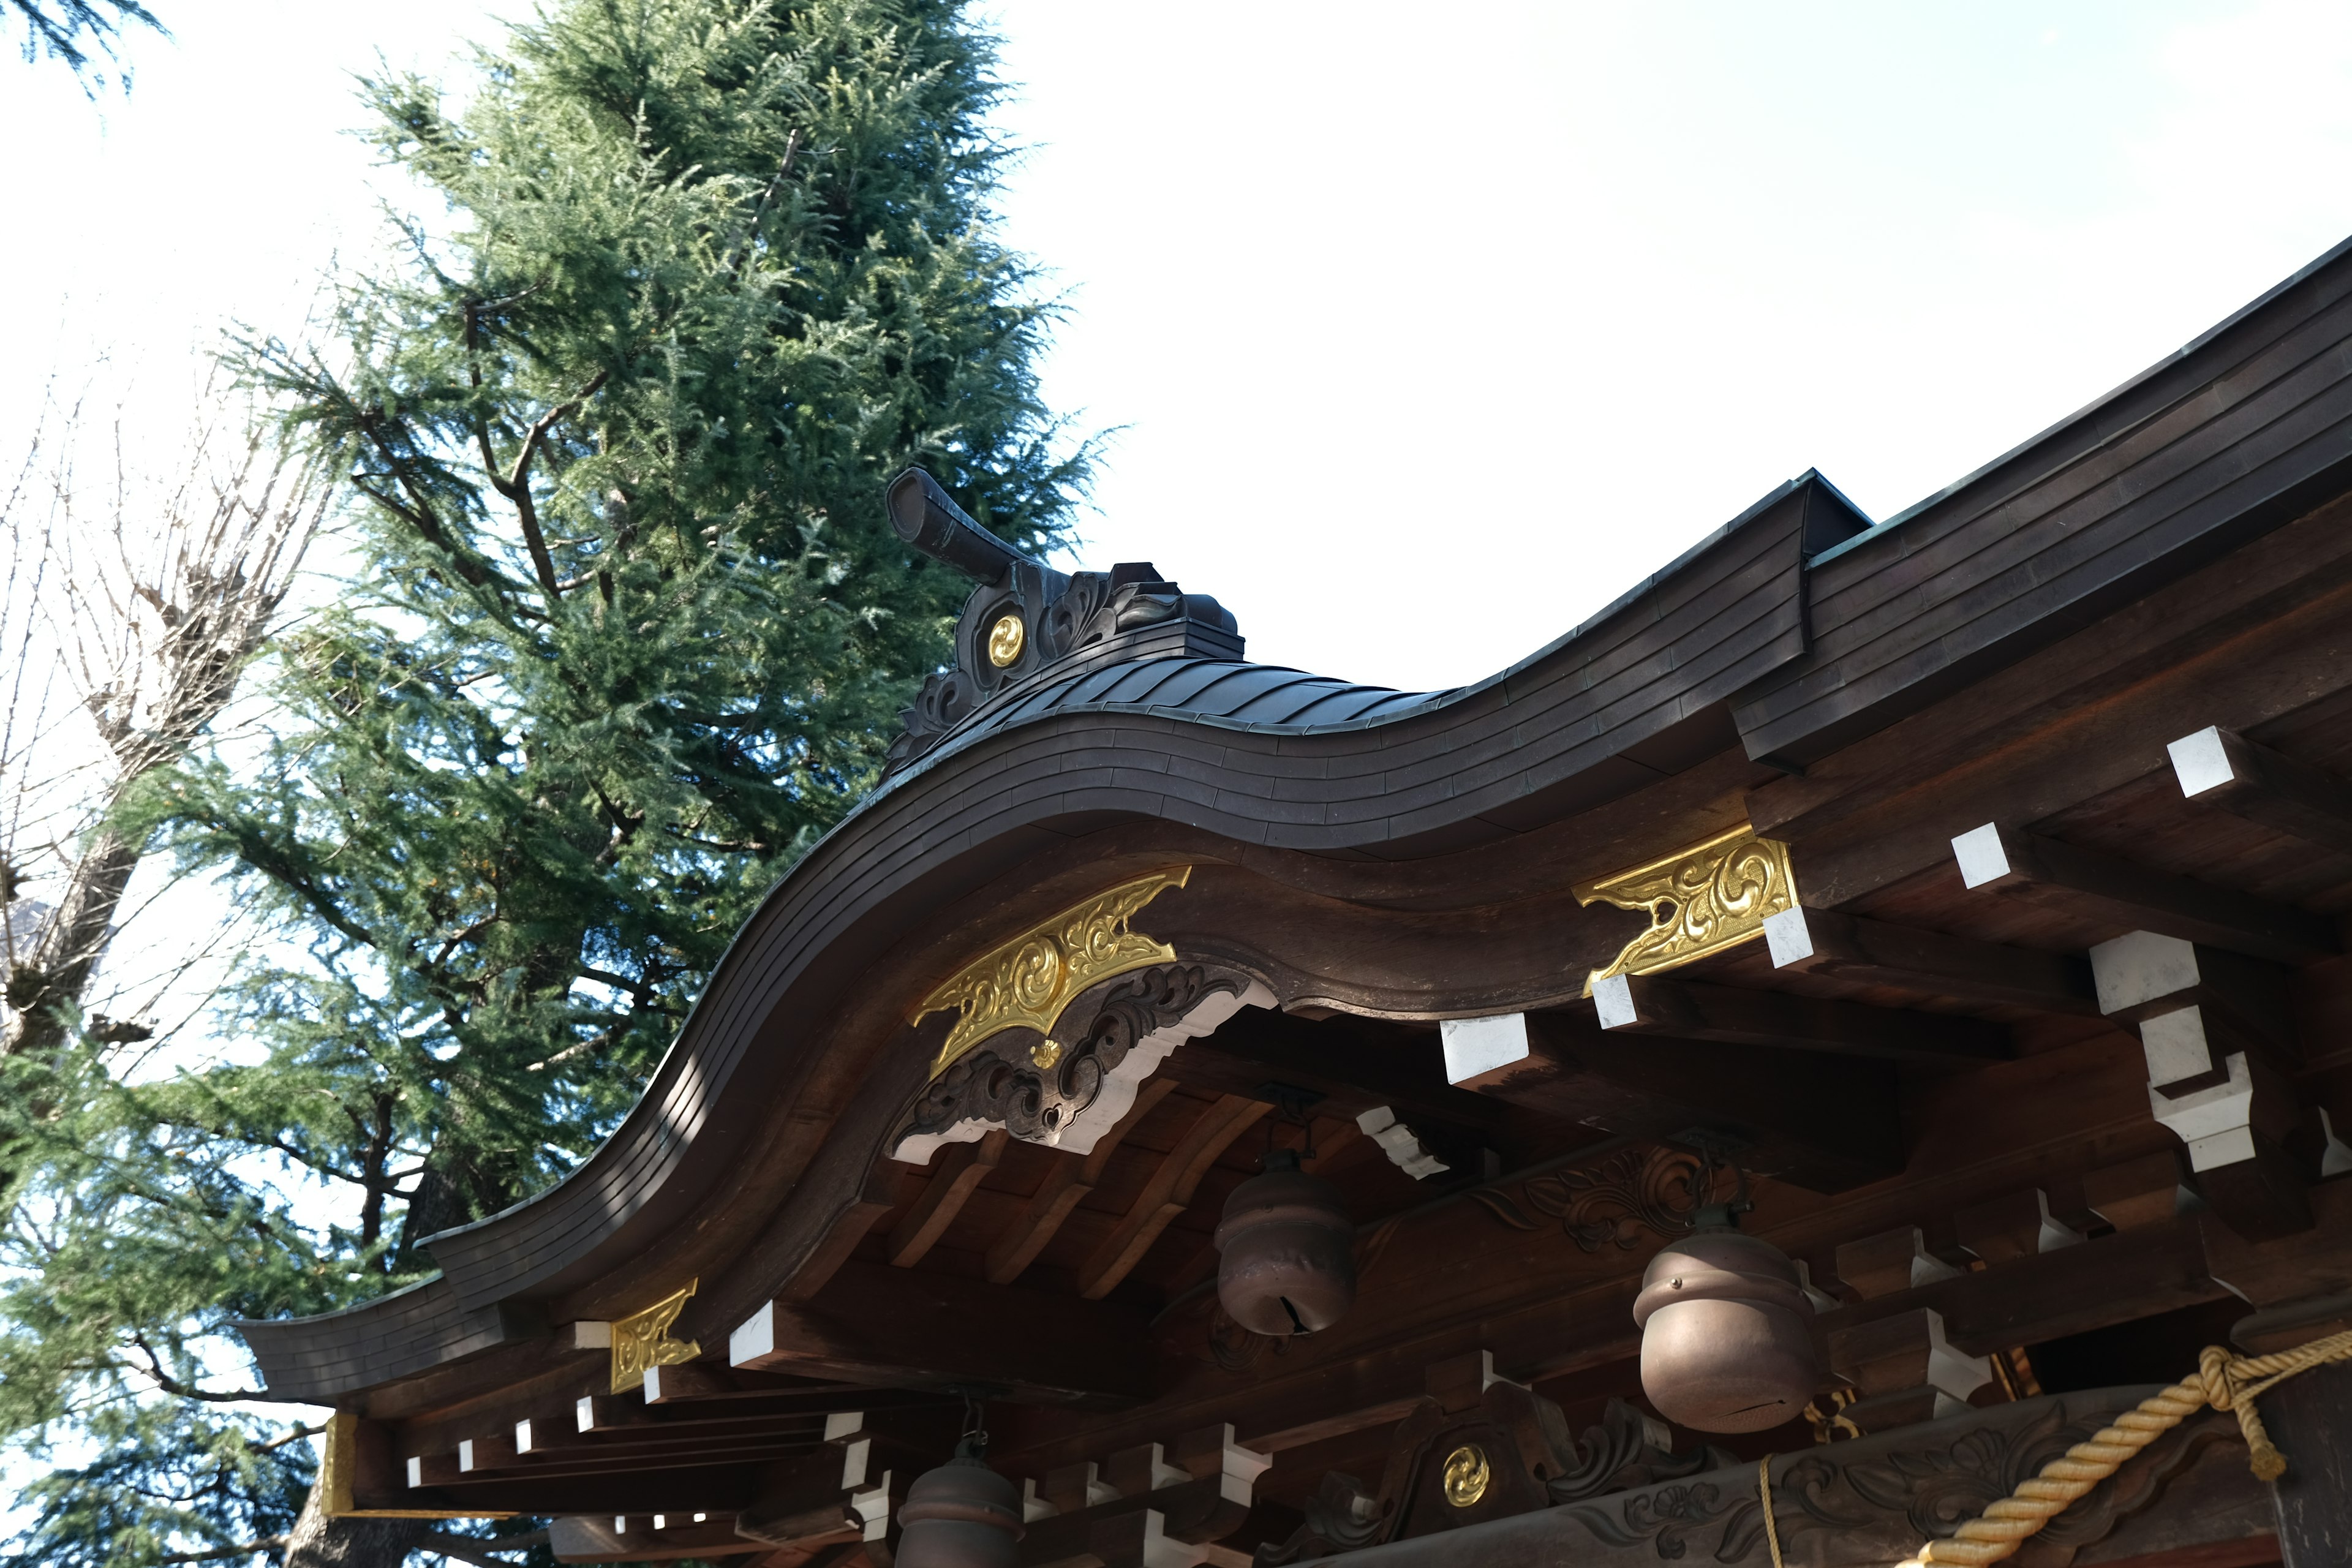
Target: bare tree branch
{"points": [[144, 602]]}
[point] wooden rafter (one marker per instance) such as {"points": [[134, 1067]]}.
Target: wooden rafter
{"points": [[1168, 1192], [961, 1167], [1072, 1178]]}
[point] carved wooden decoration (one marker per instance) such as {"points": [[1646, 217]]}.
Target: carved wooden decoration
{"points": [[1481, 1447], [1615, 1202], [1026, 982], [1700, 900], [642, 1340], [1070, 1088], [1860, 1504]]}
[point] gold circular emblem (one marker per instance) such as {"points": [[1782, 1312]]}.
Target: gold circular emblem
{"points": [[1005, 639], [1465, 1475], [1046, 1053]]}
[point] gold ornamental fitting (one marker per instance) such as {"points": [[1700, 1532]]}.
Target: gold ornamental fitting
{"points": [[1005, 639], [1466, 1474]]}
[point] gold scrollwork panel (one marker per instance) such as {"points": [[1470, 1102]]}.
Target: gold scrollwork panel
{"points": [[1027, 982], [1700, 900], [642, 1340]]}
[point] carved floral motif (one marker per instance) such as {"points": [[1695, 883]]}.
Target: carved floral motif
{"points": [[1700, 900], [1614, 1202]]}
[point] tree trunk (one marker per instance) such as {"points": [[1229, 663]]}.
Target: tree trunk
{"points": [[319, 1541], [48, 981]]}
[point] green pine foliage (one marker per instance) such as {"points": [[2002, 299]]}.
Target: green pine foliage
{"points": [[66, 30], [624, 631]]}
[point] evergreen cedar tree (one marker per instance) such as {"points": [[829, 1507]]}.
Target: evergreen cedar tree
{"points": [[624, 631], [66, 30]]}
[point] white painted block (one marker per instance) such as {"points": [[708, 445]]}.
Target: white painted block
{"points": [[754, 1338], [584, 1412], [1981, 857], [1612, 998], [2139, 966], [1950, 1372], [842, 1423], [2054, 1232], [2201, 763], [1787, 938], [854, 1459], [872, 1507], [2176, 1045], [1404, 1149], [2337, 1158], [591, 1336], [1033, 1506], [2216, 1122], [1475, 1046], [415, 1470]]}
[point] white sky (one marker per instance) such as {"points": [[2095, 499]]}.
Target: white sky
{"points": [[1429, 330]]}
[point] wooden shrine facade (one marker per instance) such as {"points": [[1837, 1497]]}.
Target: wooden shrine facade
{"points": [[1964, 890]]}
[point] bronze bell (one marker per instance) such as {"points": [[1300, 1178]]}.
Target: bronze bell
{"points": [[1726, 1335], [960, 1515], [1287, 1252]]}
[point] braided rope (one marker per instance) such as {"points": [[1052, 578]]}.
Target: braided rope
{"points": [[2224, 1381], [1771, 1528]]}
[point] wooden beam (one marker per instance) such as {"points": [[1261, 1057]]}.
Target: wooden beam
{"points": [[921, 1329], [2113, 1279], [1692, 1010], [643, 1453], [2310, 1419], [958, 1168], [719, 1486], [2222, 768], [813, 1498], [609, 1538], [1066, 1185], [876, 1196], [1168, 1192], [1354, 1063], [1821, 1122], [1874, 952], [2104, 889]]}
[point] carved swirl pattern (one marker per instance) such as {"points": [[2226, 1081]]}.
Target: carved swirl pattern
{"points": [[1700, 900], [1026, 982], [1035, 1094], [1935, 1491], [1612, 1203]]}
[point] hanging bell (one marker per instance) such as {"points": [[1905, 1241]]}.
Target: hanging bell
{"points": [[960, 1515], [1286, 1260], [1727, 1336]]}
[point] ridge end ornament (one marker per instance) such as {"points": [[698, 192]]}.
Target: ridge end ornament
{"points": [[642, 1340], [1028, 981], [1701, 900]]}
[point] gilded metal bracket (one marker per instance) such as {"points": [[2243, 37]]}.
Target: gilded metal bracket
{"points": [[642, 1340], [1028, 981], [1701, 900]]}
